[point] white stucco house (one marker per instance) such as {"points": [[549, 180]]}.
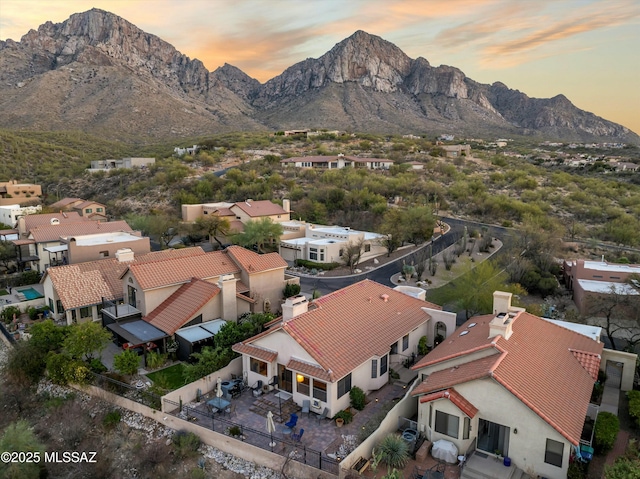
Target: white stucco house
{"points": [[510, 383], [319, 350]]}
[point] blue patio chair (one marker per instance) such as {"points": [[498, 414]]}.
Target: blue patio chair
{"points": [[325, 413], [293, 420], [297, 436], [306, 406]]}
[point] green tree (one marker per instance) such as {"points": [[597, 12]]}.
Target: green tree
{"points": [[259, 233], [85, 339], [25, 363], [473, 291], [126, 362], [19, 437], [207, 361], [212, 226], [47, 336], [7, 254]]}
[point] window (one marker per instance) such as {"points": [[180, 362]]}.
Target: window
{"points": [[74, 319], [553, 453], [383, 364], [313, 254], [303, 384], [103, 254], [466, 427], [367, 248], [344, 385], [320, 390], [258, 366], [59, 307], [447, 424], [394, 348], [84, 312], [206, 212], [405, 342], [99, 210], [89, 210], [374, 368], [51, 305]]}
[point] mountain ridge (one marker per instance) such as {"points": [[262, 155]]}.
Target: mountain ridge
{"points": [[97, 71]]}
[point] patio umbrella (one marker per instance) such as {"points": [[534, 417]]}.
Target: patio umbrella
{"points": [[271, 427], [219, 388]]}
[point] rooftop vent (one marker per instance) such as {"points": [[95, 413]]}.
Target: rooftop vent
{"points": [[471, 325], [464, 332], [384, 297]]}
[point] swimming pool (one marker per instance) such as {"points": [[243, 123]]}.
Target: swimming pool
{"points": [[30, 293]]}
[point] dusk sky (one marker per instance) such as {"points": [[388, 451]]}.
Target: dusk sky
{"points": [[588, 50]]}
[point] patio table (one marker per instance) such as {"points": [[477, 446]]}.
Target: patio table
{"points": [[219, 403]]}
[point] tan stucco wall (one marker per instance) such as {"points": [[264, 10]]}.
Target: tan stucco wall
{"points": [[82, 254], [496, 404], [268, 285], [628, 361]]}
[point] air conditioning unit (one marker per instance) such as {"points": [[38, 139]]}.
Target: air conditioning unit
{"points": [[315, 404]]}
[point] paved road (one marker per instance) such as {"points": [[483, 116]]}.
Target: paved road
{"points": [[383, 274]]}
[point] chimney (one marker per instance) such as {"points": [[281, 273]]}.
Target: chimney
{"points": [[384, 297], [294, 306], [286, 205], [124, 255], [505, 315], [227, 285]]}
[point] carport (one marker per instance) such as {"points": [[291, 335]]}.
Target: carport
{"points": [[193, 338]]}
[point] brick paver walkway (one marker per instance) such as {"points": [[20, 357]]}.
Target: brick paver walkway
{"points": [[619, 447]]}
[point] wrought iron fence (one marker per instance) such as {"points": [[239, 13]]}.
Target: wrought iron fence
{"points": [[137, 393], [286, 447]]}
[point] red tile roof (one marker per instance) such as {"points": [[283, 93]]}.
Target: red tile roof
{"points": [[308, 369], [64, 202], [85, 204], [349, 326], [181, 307], [253, 262], [255, 351], [85, 284], [35, 221], [181, 270], [43, 234], [456, 398], [548, 367], [256, 209]]}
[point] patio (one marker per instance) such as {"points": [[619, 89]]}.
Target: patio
{"points": [[322, 435]]}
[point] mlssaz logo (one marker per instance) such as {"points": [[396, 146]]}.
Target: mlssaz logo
{"points": [[70, 457]]}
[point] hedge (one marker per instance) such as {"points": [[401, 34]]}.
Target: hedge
{"points": [[634, 406], [313, 264], [606, 430]]}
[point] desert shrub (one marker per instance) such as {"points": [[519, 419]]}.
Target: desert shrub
{"points": [[422, 346], [393, 451], [185, 443], [111, 419], [96, 366], [291, 290], [25, 362], [156, 360], [634, 406], [346, 416], [606, 431], [576, 471], [126, 362], [357, 397]]}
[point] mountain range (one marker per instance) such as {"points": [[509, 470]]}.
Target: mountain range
{"points": [[99, 73]]}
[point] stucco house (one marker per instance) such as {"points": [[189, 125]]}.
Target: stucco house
{"points": [[12, 192], [336, 162], [90, 209], [239, 213], [510, 383], [455, 151], [325, 244], [319, 350], [593, 279]]}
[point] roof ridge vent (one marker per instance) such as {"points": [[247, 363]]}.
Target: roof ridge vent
{"points": [[384, 297]]}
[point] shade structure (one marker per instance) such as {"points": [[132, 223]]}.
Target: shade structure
{"points": [[219, 388], [271, 427]]}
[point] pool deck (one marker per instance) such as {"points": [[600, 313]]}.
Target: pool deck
{"points": [[13, 298]]}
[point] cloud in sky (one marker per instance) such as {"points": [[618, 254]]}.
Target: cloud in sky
{"points": [[487, 39]]}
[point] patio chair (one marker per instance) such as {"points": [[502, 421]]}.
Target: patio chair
{"points": [[293, 420], [306, 406], [297, 436], [231, 410], [325, 413]]}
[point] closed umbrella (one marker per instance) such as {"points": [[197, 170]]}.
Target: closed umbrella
{"points": [[219, 388], [271, 427]]}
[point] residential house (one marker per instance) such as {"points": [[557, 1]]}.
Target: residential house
{"points": [[416, 165], [105, 165], [512, 384], [455, 151], [325, 244], [9, 214], [336, 162], [46, 245], [12, 192], [89, 209], [592, 279], [239, 213], [188, 150], [92, 247], [319, 350]]}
